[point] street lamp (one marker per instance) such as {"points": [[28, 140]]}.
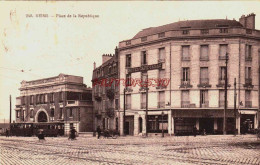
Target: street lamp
{"points": [[162, 124]]}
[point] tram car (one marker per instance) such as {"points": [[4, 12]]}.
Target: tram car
{"points": [[33, 129]]}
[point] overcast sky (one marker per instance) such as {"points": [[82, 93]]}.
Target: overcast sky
{"points": [[33, 48]]}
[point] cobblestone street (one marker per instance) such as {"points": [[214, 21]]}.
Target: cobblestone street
{"points": [[131, 150]]}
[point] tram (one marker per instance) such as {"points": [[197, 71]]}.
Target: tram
{"points": [[33, 129]]}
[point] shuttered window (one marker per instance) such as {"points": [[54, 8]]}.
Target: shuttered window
{"points": [[204, 52], [222, 50], [185, 95], [185, 52], [161, 53]]}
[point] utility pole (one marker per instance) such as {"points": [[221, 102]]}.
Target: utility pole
{"points": [[162, 124], [235, 105], [225, 108], [146, 110], [124, 114]]}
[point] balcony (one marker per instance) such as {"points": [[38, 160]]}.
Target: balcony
{"points": [[222, 103], [143, 105], [185, 83], [185, 104], [185, 58], [221, 83], [110, 93], [161, 104], [161, 60], [204, 58], [222, 57], [128, 89], [161, 87], [143, 89], [204, 105], [248, 83], [248, 104], [74, 103], [204, 82], [249, 58]]}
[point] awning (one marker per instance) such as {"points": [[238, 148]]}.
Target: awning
{"points": [[202, 113]]}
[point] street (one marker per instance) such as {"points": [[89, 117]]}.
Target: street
{"points": [[217, 149]]}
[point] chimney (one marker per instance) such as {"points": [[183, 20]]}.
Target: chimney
{"points": [[248, 21], [105, 58], [94, 65]]}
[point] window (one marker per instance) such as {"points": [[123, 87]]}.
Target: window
{"points": [[143, 58], [185, 32], [116, 104], [18, 113], [204, 75], [185, 74], [128, 60], [144, 78], [248, 52], [161, 54], [161, 103], [222, 73], [61, 113], [204, 31], [185, 99], [248, 76], [160, 35], [248, 102], [61, 96], [51, 97], [161, 74], [143, 100], [221, 98], [128, 80], [31, 113], [31, 99], [23, 100], [52, 112], [223, 30], [37, 99], [128, 101], [204, 52], [45, 98], [204, 98], [223, 51], [70, 112], [185, 53], [143, 39]]}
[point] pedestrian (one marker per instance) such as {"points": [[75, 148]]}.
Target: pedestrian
{"points": [[194, 131], [204, 132], [73, 134], [7, 133], [41, 135], [98, 131]]}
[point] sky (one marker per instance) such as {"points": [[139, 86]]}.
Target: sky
{"points": [[32, 48]]}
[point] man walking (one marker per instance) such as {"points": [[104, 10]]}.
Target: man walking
{"points": [[98, 131]]}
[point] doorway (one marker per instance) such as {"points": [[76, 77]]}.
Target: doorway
{"points": [[207, 124]]}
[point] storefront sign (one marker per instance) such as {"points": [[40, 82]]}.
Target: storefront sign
{"points": [[145, 68]]}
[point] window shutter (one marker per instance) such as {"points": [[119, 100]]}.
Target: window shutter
{"points": [[204, 51]]}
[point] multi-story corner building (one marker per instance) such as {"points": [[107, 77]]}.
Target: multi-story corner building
{"points": [[105, 92], [191, 55], [61, 99]]}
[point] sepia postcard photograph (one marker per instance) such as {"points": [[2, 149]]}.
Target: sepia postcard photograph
{"points": [[129, 82]]}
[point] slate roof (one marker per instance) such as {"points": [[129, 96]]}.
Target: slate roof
{"points": [[192, 24]]}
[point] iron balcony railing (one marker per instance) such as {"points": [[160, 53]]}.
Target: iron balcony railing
{"points": [[204, 81], [222, 103], [143, 105], [205, 104], [161, 104], [248, 104], [128, 106], [187, 58], [185, 104]]}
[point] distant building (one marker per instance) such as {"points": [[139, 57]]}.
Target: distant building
{"points": [[105, 92], [191, 55], [61, 99]]}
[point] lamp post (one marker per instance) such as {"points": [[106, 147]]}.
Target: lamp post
{"points": [[162, 124]]}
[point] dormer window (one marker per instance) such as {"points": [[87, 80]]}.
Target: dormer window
{"points": [[223, 30], [185, 32], [160, 35], [144, 39], [128, 42]]}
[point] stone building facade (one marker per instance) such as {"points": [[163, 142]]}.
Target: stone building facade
{"points": [[61, 99], [191, 55], [106, 93]]}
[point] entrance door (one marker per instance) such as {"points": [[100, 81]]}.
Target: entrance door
{"points": [[127, 128], [42, 117], [207, 124], [246, 123]]}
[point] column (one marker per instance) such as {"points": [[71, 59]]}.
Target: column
{"points": [[136, 124], [121, 129], [170, 122], [238, 124]]}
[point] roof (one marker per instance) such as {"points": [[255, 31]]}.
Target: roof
{"points": [[192, 24]]}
